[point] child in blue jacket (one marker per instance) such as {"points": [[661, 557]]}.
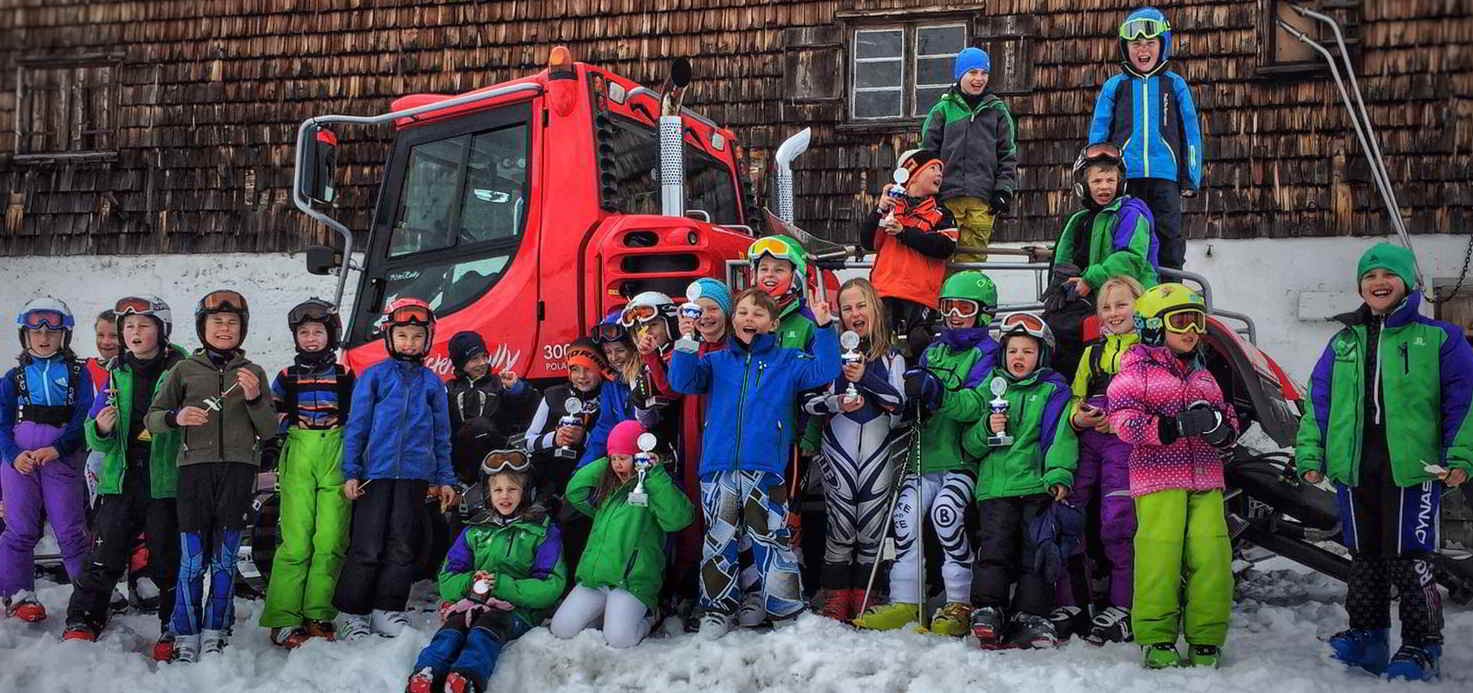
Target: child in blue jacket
{"points": [[395, 446], [1147, 111], [752, 384]]}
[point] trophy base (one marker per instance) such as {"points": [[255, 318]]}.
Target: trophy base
{"points": [[689, 346], [999, 441], [639, 498]]}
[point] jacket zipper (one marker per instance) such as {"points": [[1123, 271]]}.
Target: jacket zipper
{"points": [[1406, 361], [741, 400], [1376, 379], [1146, 125], [220, 418], [403, 411]]}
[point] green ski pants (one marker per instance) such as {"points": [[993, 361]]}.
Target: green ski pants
{"points": [[1180, 534], [314, 529]]}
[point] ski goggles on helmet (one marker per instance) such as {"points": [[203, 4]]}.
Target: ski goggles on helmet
{"points": [[960, 307], [606, 332], [773, 246], [1100, 150], [1143, 28], [410, 315], [1188, 320], [222, 300], [310, 312], [1027, 324], [634, 315], [134, 305], [43, 319], [498, 461]]}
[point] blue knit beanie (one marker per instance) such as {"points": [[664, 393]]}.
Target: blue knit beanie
{"points": [[716, 291], [969, 59]]}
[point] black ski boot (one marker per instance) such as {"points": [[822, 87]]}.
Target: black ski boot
{"points": [[1069, 621], [987, 625], [1110, 625], [1031, 631]]}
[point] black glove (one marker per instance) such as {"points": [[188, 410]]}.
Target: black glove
{"points": [[270, 453], [1001, 201], [1205, 421], [921, 385]]}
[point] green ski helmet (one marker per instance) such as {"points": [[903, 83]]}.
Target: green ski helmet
{"points": [[970, 285], [783, 248]]}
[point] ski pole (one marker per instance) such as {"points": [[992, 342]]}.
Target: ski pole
{"points": [[887, 542], [920, 519]]}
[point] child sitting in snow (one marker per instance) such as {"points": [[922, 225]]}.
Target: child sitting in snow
{"points": [[1389, 423], [500, 577], [1018, 481], [1167, 406], [620, 573], [753, 385]]}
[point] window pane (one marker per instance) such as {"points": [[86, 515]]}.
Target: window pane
{"points": [[496, 183], [940, 40], [926, 97], [447, 285], [934, 70], [881, 74], [877, 104], [428, 196], [888, 43]]}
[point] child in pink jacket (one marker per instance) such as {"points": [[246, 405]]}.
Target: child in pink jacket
{"points": [[1167, 406]]}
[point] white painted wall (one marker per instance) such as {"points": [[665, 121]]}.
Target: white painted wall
{"points": [[272, 283], [1290, 286]]}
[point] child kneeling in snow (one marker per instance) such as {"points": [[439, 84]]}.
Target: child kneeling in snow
{"points": [[620, 573], [500, 577], [1167, 406]]}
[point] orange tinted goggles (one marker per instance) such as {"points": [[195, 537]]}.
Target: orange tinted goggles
{"points": [[1186, 321], [218, 300], [1026, 321], [637, 314], [410, 315], [498, 461], [133, 304]]}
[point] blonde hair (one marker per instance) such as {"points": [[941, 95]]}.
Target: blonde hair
{"points": [[879, 331], [1119, 281]]}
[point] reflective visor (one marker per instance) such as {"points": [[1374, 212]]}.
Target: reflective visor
{"points": [[637, 314], [1026, 322], [38, 319], [1186, 321], [959, 307], [223, 300], [498, 461], [411, 315], [1143, 28], [133, 304], [609, 332], [311, 311]]}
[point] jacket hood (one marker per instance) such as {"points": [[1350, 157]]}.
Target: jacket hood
{"points": [[1146, 13]]}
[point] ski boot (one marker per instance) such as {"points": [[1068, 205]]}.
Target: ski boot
{"points": [[1032, 632], [356, 626], [212, 642], [163, 648], [422, 681], [888, 616], [1209, 656], [23, 605], [186, 649], [143, 595], [1365, 648], [118, 603], [953, 619], [753, 611], [714, 624], [1069, 621], [456, 682], [987, 625], [1416, 663], [388, 624], [1110, 625], [1161, 655], [834, 604], [322, 629], [79, 630], [289, 638], [857, 603]]}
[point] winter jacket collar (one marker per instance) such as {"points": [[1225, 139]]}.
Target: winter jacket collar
{"points": [[955, 96], [963, 338], [1402, 315], [761, 344]]}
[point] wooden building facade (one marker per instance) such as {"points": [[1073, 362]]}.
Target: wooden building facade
{"points": [[166, 126]]}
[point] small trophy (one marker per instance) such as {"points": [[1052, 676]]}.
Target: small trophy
{"points": [[574, 407], [999, 406], [216, 403], [850, 341], [481, 589], [691, 310], [643, 460], [896, 191]]}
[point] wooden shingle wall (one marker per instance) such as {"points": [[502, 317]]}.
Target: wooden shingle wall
{"points": [[209, 95]]}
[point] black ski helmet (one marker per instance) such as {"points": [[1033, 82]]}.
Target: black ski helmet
{"points": [[1097, 154], [221, 301], [318, 311]]}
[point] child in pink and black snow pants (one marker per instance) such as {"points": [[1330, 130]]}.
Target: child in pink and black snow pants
{"points": [[1102, 479], [43, 404]]}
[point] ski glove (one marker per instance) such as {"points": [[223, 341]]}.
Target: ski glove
{"points": [[921, 385], [1201, 420], [1001, 201]]}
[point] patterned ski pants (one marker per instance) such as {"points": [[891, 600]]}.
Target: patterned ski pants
{"points": [[944, 497], [753, 505], [1368, 597]]}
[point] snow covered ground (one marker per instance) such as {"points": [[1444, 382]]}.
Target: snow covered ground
{"points": [[1274, 646]]}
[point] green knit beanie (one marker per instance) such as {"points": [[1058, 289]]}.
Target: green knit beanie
{"points": [[1394, 258]]}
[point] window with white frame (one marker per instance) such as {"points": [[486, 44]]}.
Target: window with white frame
{"points": [[899, 72]]}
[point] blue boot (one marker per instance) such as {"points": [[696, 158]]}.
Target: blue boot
{"points": [[1415, 663], [1362, 647]]}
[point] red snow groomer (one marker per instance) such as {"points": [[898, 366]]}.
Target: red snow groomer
{"points": [[528, 210]]}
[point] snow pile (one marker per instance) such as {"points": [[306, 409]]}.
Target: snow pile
{"points": [[1275, 644]]}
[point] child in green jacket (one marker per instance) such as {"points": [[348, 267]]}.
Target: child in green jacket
{"points": [[1017, 482], [620, 573], [1389, 423], [501, 576]]}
